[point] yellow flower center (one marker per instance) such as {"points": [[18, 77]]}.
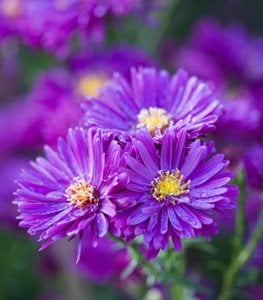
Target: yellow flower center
{"points": [[89, 85], [169, 184], [80, 193], [10, 8], [154, 119]]}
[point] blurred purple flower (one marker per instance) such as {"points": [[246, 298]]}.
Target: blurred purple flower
{"points": [[65, 20], [154, 100], [69, 192], [53, 104], [176, 192], [233, 61], [121, 58], [40, 117], [227, 56], [239, 120], [91, 71]]}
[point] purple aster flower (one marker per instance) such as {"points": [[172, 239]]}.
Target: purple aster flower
{"points": [[154, 100], [69, 191], [253, 161], [175, 192]]}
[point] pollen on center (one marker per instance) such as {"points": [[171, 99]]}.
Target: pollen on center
{"points": [[169, 184], [81, 193], [153, 119]]}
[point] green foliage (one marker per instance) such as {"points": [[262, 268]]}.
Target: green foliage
{"points": [[18, 267]]}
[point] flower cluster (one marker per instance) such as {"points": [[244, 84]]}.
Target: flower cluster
{"points": [[138, 168], [132, 129], [71, 189]]}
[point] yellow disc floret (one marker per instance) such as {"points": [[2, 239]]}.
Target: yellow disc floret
{"points": [[153, 119], [89, 85], [80, 193], [169, 184]]}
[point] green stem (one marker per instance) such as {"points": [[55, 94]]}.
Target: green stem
{"points": [[240, 215], [241, 259]]}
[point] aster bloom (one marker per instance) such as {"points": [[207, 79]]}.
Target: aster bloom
{"points": [[154, 100], [69, 191], [175, 192]]}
